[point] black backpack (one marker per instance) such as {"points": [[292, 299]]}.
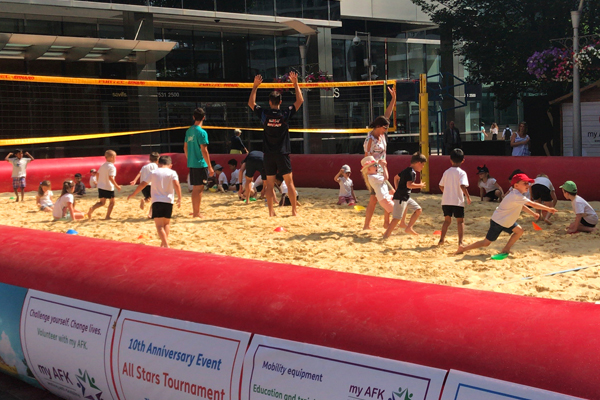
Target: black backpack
{"points": [[507, 133]]}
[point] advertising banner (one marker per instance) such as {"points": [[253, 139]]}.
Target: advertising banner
{"points": [[282, 369], [66, 344], [157, 358], [12, 361], [464, 386]]}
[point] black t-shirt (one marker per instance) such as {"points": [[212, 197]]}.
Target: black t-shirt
{"points": [[275, 123], [406, 175], [254, 155], [236, 143]]}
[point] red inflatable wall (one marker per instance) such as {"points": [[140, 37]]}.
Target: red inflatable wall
{"points": [[548, 344], [318, 170]]}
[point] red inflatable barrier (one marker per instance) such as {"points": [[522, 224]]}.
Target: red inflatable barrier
{"points": [[318, 170], [548, 344]]}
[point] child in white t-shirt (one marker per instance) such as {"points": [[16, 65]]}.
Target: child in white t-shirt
{"points": [[282, 187], [63, 208], [93, 178], [235, 174], [377, 183], [346, 195], [586, 218], [542, 191], [144, 176], [44, 197], [454, 186], [106, 184], [505, 217], [19, 172], [222, 184], [489, 189], [164, 184]]}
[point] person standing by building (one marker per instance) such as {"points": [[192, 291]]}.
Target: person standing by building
{"points": [[519, 141], [276, 139], [451, 139], [494, 131], [198, 159]]}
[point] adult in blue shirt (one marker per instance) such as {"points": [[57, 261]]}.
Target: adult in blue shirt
{"points": [[198, 159], [276, 139]]}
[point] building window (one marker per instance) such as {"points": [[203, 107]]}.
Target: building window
{"points": [[207, 56], [234, 6], [208, 5], [261, 7], [235, 53], [397, 57], [262, 56], [288, 55]]}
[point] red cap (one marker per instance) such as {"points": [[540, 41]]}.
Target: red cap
{"points": [[521, 177]]}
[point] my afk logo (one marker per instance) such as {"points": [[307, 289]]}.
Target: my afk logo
{"points": [[88, 387], [374, 393]]}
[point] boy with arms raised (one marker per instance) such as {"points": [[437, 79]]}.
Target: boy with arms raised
{"points": [[505, 217], [454, 186], [164, 182], [276, 140], [19, 172]]}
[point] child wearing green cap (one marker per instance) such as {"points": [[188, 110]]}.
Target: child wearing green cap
{"points": [[585, 216]]}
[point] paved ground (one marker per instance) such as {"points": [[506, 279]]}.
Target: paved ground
{"points": [[15, 389]]}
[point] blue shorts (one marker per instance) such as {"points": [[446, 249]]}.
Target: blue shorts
{"points": [[496, 229], [19, 182]]}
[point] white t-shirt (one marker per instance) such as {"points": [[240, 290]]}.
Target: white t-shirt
{"points": [[284, 188], [222, 178], [61, 203], [580, 206], [19, 166], [378, 146], [508, 211], [107, 169], [381, 189], [488, 186], [345, 186], [93, 181], [234, 177], [540, 180], [46, 199], [259, 181], [146, 172], [512, 188], [452, 180], [162, 185]]}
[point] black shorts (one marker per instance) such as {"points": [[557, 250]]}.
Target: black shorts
{"points": [[146, 192], [162, 210], [496, 229], [237, 187], [277, 163], [285, 200], [491, 195], [585, 223], [540, 192], [255, 165], [258, 188], [198, 176], [453, 211], [106, 194], [225, 186]]}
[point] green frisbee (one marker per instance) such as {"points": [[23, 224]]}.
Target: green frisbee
{"points": [[500, 256]]}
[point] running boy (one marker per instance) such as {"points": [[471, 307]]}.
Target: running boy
{"points": [[276, 140], [585, 216], [198, 159], [106, 184], [505, 217], [144, 175], [19, 171], [454, 186], [164, 182], [405, 182]]}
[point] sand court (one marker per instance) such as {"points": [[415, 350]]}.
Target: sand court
{"points": [[328, 236]]}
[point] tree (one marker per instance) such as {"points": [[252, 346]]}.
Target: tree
{"points": [[494, 38]]}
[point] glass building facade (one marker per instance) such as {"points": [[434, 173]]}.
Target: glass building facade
{"points": [[233, 48]]}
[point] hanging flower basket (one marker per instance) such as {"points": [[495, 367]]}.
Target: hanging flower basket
{"points": [[589, 57], [554, 64]]}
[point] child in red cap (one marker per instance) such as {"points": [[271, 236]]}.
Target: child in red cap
{"points": [[505, 217]]}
